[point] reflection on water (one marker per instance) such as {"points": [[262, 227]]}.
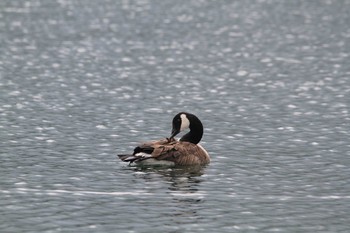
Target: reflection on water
{"points": [[183, 179], [175, 188]]}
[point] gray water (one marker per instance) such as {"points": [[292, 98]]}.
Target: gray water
{"points": [[82, 81]]}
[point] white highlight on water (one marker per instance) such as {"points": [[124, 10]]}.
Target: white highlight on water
{"points": [[54, 192]]}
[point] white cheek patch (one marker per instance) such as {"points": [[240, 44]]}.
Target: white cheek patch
{"points": [[185, 123]]}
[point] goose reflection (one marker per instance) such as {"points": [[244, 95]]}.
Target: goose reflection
{"points": [[176, 190], [183, 178]]}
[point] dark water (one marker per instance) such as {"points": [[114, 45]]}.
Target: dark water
{"points": [[81, 81]]}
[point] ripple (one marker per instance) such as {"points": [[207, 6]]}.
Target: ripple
{"points": [[84, 81], [56, 192]]}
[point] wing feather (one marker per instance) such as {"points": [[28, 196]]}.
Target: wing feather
{"points": [[179, 152]]}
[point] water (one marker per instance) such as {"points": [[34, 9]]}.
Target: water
{"points": [[83, 81]]}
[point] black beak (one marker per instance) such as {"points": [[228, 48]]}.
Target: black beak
{"points": [[174, 132]]}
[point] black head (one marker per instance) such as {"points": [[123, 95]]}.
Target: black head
{"points": [[180, 122]]}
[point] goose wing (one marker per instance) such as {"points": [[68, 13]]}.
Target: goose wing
{"points": [[179, 152], [146, 150], [182, 153]]}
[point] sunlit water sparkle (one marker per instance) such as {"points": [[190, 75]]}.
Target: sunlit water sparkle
{"points": [[83, 81]]}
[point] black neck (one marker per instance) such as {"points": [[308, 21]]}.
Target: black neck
{"points": [[196, 131]]}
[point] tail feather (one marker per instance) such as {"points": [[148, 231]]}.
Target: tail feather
{"points": [[131, 158], [123, 157], [127, 158]]}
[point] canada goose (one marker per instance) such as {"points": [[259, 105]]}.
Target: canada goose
{"points": [[170, 151]]}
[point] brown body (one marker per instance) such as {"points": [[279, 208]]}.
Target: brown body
{"points": [[178, 152]]}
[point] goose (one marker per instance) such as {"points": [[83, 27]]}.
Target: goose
{"points": [[171, 152]]}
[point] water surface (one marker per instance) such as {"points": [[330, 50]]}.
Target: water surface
{"points": [[83, 81]]}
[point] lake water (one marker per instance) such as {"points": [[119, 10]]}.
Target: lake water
{"points": [[82, 81]]}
